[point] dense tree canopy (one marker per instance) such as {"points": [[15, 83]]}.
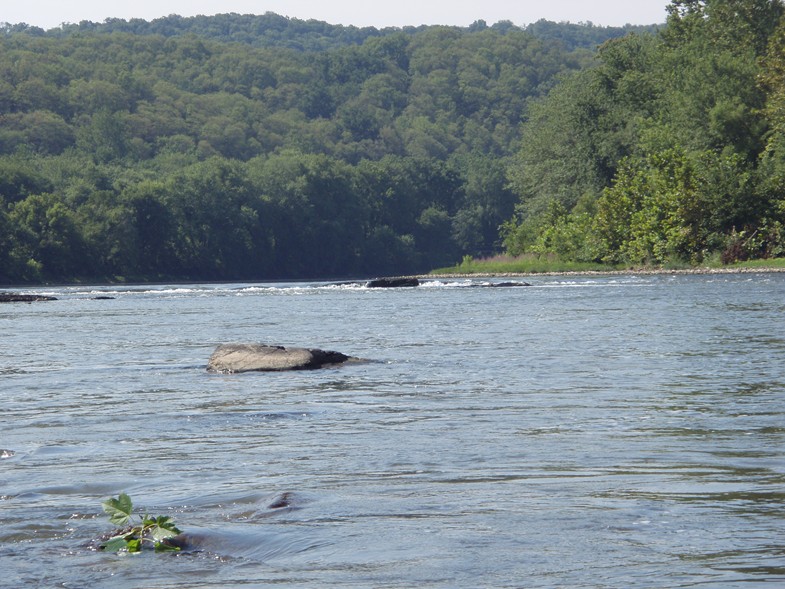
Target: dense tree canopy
{"points": [[241, 147], [668, 150], [258, 147]]}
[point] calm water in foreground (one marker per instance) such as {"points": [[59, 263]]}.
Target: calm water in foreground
{"points": [[589, 432]]}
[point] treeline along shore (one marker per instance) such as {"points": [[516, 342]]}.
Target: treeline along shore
{"points": [[242, 147]]}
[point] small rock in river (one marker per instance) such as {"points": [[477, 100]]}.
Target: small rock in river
{"points": [[397, 282], [10, 297]]}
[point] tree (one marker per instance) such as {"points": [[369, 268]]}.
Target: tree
{"points": [[318, 219], [104, 134], [215, 227], [487, 203], [47, 239]]}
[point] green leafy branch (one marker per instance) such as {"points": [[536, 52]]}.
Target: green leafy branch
{"points": [[150, 531]]}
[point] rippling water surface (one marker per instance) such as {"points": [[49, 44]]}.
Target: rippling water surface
{"points": [[582, 432]]}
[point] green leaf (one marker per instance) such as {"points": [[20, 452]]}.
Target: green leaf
{"points": [[134, 545], [166, 522], [164, 528], [115, 544], [159, 533], [119, 509], [163, 547]]}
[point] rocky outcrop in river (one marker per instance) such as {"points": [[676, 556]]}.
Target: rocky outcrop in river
{"points": [[11, 297], [230, 358], [395, 282], [412, 281]]}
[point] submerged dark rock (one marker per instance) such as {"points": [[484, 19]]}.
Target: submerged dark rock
{"points": [[230, 358], [509, 284], [394, 282], [286, 500], [10, 297]]}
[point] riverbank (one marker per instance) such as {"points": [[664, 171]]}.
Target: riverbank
{"points": [[628, 272], [530, 265]]}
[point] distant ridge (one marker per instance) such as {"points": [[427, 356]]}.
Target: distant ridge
{"points": [[273, 30]]}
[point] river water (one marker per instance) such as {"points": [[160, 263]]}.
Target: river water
{"points": [[613, 431]]}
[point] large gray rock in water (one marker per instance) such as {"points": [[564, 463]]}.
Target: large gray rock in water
{"points": [[261, 357]]}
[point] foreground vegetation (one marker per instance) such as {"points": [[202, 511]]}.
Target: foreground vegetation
{"points": [[238, 147], [134, 534]]}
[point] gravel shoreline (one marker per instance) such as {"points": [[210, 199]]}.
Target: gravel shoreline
{"points": [[646, 272]]}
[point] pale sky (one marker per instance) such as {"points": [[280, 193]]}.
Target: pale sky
{"points": [[378, 13]]}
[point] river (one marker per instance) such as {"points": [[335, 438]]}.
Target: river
{"points": [[585, 432]]}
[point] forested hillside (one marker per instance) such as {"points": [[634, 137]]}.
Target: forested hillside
{"points": [[237, 147], [670, 150], [147, 155]]}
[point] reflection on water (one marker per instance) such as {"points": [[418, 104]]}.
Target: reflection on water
{"points": [[584, 432]]}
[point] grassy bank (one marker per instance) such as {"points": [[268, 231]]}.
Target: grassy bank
{"points": [[775, 264], [529, 264]]}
